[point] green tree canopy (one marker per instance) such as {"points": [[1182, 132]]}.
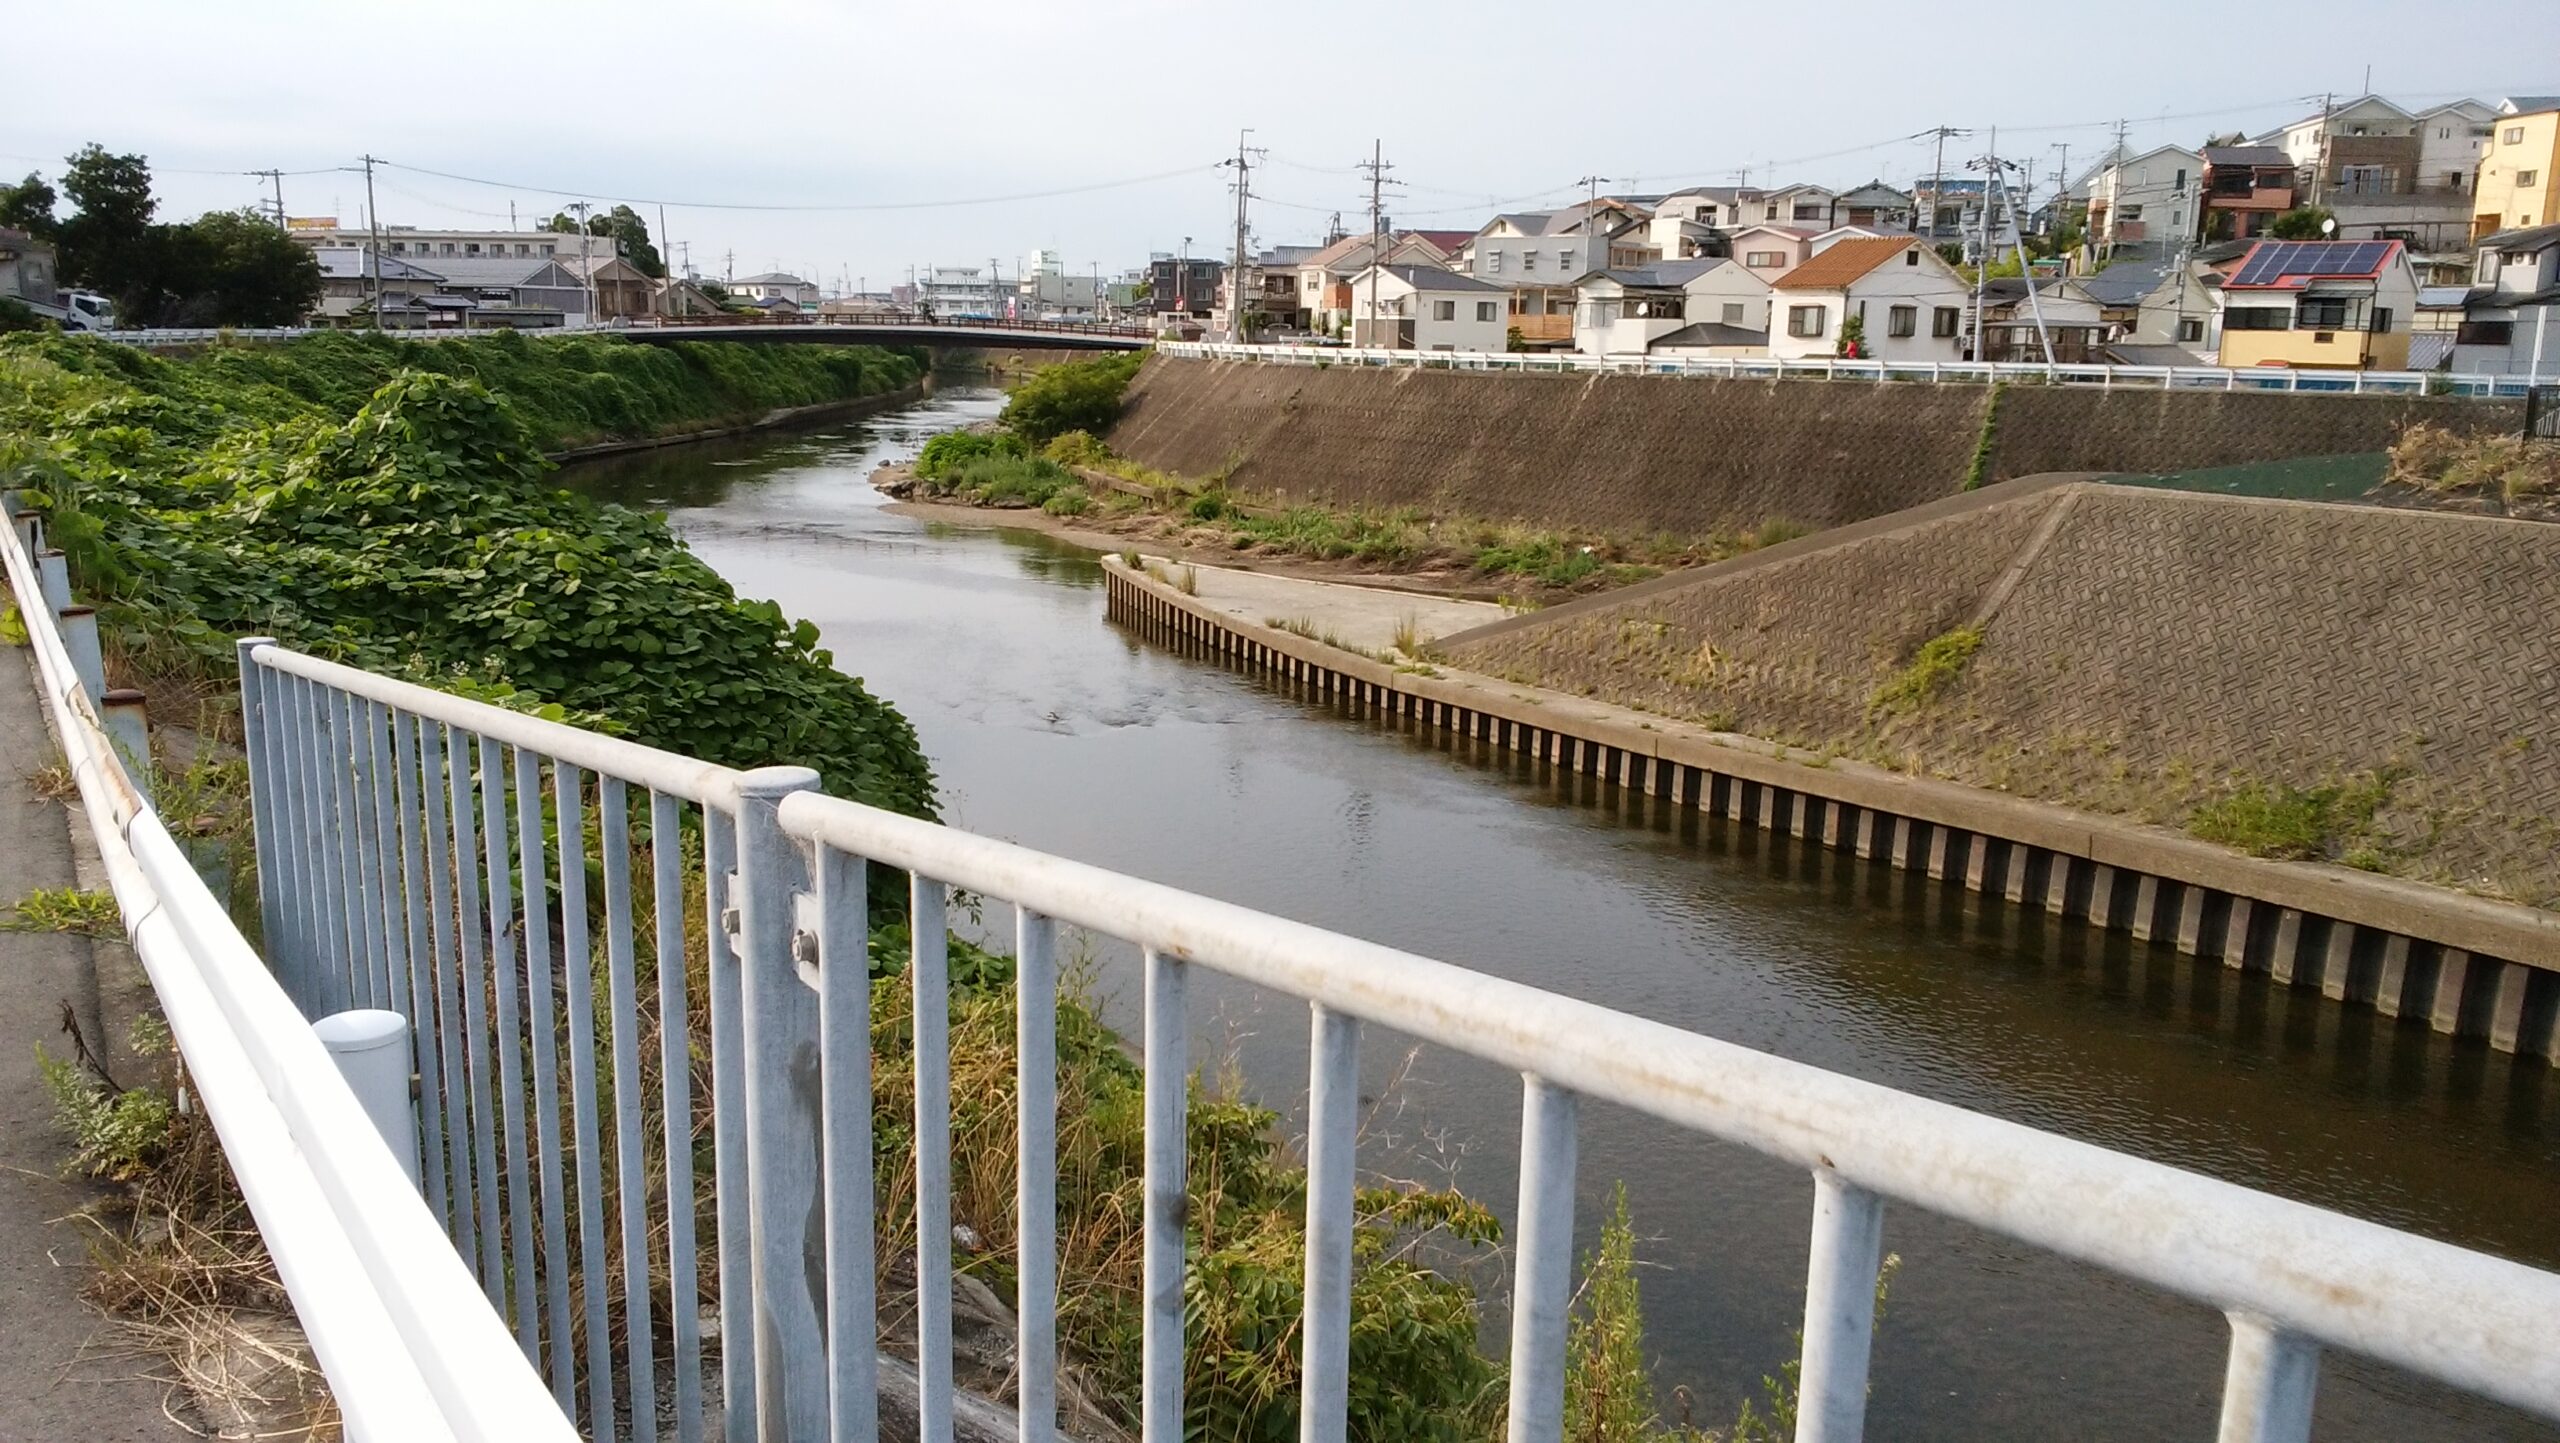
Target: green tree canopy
{"points": [[630, 235], [28, 206], [106, 244], [245, 272]]}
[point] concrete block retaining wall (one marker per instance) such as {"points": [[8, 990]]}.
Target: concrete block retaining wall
{"points": [[2466, 966]]}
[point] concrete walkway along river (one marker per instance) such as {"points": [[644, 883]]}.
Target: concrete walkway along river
{"points": [[1048, 727]]}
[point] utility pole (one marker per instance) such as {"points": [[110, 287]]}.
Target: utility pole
{"points": [[373, 252], [1243, 164], [586, 264], [1377, 167], [276, 179], [1937, 173], [1593, 261], [1992, 178], [666, 248]]}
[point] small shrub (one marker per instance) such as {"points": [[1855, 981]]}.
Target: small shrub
{"points": [[1073, 501], [1777, 530], [1207, 506], [117, 1134], [66, 909], [1077, 448], [1940, 660], [946, 454], [1070, 396]]}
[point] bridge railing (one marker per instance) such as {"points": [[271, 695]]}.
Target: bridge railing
{"points": [[369, 790], [1823, 368], [409, 1348]]}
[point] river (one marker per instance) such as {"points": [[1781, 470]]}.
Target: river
{"points": [[1049, 727]]}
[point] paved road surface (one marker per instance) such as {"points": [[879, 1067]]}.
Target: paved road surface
{"points": [[63, 1377]]}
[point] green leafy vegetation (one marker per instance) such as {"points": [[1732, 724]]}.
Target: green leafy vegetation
{"points": [[1071, 396], [2303, 222], [373, 501], [65, 909], [224, 268], [1978, 470], [1940, 660], [945, 454], [117, 1133], [2334, 820]]}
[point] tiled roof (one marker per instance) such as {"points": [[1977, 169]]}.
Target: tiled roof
{"points": [[1449, 241], [2530, 238], [1434, 278], [1710, 333], [2248, 155], [1667, 273], [1843, 264]]}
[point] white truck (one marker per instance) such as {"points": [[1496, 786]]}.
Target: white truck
{"points": [[83, 311]]}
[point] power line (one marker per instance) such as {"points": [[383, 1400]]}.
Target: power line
{"points": [[842, 206]]}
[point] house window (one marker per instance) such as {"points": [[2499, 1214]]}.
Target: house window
{"points": [[2484, 333], [1902, 321], [1733, 313], [2257, 318], [2131, 212], [1765, 260], [1809, 212], [2527, 177], [2191, 329], [1564, 262], [1444, 310], [1805, 321], [1911, 257], [1772, 211], [1528, 262], [2381, 320], [2322, 314], [2453, 180], [1493, 263], [1484, 310], [2514, 136], [1943, 323], [2182, 179]]}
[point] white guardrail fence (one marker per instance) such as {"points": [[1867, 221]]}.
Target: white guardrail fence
{"points": [[415, 835], [410, 1349], [412, 845], [1969, 373]]}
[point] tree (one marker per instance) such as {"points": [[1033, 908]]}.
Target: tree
{"points": [[28, 206], [2300, 223], [245, 272], [106, 244], [629, 233], [1852, 344]]}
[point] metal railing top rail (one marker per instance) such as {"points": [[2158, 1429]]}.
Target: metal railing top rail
{"points": [[703, 783], [409, 1347], [2198, 377], [2465, 1317]]}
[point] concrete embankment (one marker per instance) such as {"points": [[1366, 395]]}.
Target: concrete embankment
{"points": [[1640, 455], [2464, 964], [819, 414]]}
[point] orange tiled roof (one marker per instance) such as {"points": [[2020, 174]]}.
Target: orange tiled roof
{"points": [[1843, 262]]}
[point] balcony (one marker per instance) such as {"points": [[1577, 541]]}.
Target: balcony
{"points": [[2264, 197]]}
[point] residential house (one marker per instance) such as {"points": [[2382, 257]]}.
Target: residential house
{"points": [[2334, 305], [347, 281], [2511, 321], [1771, 250], [1800, 205], [1273, 295], [1426, 308], [2452, 138], [1874, 206], [2144, 204], [683, 296], [1539, 255], [2157, 304], [1324, 278], [1185, 285], [2519, 171], [2245, 188], [26, 269], [946, 291], [491, 292], [1950, 208], [619, 290], [773, 284], [1910, 303], [426, 245], [1722, 207], [1630, 312], [2368, 163], [2014, 328]]}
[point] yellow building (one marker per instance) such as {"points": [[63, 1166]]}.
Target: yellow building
{"points": [[2327, 305], [2517, 174]]}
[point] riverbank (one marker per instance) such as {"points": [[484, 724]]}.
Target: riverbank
{"points": [[2469, 965], [783, 418]]}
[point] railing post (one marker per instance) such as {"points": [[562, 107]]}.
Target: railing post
{"points": [[1333, 1097], [371, 1048], [1168, 1083], [843, 944], [734, 1256], [79, 625], [263, 818], [53, 577], [1035, 972], [929, 980], [125, 713], [784, 1206], [1839, 1310], [2268, 1385], [1542, 1269]]}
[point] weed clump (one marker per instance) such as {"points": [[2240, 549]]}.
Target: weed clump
{"points": [[65, 909], [2280, 820], [1940, 660]]}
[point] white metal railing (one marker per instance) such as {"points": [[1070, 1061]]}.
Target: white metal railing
{"points": [[1824, 368], [350, 770], [409, 1348]]}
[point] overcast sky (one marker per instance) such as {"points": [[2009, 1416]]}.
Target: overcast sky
{"points": [[840, 132]]}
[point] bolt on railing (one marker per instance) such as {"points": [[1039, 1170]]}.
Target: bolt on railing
{"points": [[785, 873]]}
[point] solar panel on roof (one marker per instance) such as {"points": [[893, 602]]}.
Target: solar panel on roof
{"points": [[2271, 262]]}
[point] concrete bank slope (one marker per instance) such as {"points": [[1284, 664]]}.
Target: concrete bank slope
{"points": [[2465, 964], [1694, 456]]}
